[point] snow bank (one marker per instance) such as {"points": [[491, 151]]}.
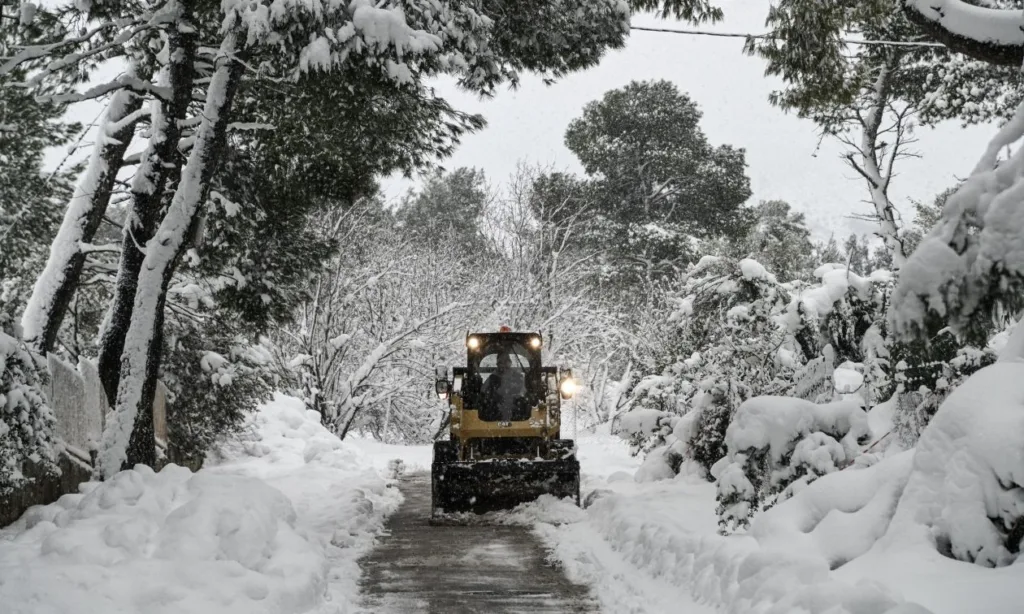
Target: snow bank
{"points": [[839, 516], [653, 547], [666, 529], [965, 492], [338, 488], [964, 486], [164, 542], [275, 524]]}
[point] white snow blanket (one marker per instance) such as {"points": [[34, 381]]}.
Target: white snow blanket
{"points": [[276, 526], [968, 468], [652, 547], [866, 540]]}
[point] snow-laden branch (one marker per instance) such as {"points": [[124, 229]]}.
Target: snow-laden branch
{"points": [[970, 266], [351, 403], [35, 52], [125, 82], [991, 35]]}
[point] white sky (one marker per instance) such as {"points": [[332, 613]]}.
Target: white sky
{"points": [[783, 156]]}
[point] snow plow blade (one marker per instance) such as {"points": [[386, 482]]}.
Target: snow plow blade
{"points": [[493, 485]]}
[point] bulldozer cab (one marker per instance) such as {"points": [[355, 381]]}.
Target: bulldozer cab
{"points": [[503, 377]]}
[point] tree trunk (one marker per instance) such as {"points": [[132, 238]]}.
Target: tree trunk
{"points": [[878, 184], [140, 359], [160, 162], [58, 282]]}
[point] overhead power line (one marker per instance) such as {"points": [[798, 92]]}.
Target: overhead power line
{"points": [[769, 37]]}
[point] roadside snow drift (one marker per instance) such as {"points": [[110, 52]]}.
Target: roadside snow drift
{"points": [[168, 541], [275, 528], [962, 499], [652, 546]]}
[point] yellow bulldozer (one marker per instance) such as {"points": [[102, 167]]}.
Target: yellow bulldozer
{"points": [[505, 444]]}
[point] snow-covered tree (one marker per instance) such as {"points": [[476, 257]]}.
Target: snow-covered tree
{"points": [[967, 273], [208, 49], [30, 200], [870, 97], [448, 205], [215, 383], [377, 318], [726, 347], [657, 182], [779, 239]]}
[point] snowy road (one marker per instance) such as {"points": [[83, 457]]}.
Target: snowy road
{"points": [[480, 568]]}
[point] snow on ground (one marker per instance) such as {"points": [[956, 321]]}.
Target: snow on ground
{"points": [[380, 455], [575, 537], [965, 484], [653, 547], [866, 540], [275, 524]]}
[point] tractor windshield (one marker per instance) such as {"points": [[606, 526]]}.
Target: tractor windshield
{"points": [[503, 370]]}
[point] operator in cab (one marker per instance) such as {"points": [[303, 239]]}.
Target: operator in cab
{"points": [[503, 388]]}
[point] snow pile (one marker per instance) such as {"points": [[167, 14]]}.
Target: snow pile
{"points": [[666, 530], [882, 537], [838, 517], [652, 547], [965, 492], [276, 526], [338, 489], [167, 542]]}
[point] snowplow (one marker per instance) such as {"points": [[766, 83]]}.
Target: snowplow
{"points": [[505, 445]]}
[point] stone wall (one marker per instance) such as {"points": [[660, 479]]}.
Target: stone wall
{"points": [[44, 489], [76, 396]]}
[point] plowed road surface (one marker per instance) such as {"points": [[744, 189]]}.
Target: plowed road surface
{"points": [[419, 567]]}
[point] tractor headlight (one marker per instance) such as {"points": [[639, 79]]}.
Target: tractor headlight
{"points": [[567, 387], [535, 342], [473, 343]]}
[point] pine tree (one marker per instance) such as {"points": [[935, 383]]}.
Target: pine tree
{"points": [[779, 239], [450, 206], [656, 181]]}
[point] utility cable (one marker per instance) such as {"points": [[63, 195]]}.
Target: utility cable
{"points": [[847, 41]]}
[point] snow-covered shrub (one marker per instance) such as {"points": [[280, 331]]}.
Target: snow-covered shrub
{"points": [[728, 347], [932, 374], [645, 428], [841, 319], [26, 421], [212, 393], [778, 445], [838, 517], [965, 495]]}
